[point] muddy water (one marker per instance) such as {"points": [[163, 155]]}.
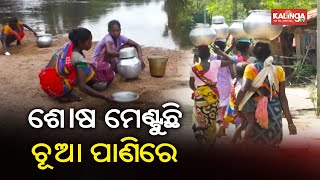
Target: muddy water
{"points": [[144, 21]]}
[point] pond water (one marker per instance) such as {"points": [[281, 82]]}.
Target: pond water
{"points": [[144, 21]]}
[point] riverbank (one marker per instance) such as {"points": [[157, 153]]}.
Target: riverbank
{"points": [[21, 92]]}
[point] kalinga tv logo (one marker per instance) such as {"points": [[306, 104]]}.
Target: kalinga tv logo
{"points": [[289, 16]]}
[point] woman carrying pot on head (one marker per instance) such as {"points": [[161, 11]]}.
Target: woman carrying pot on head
{"points": [[13, 31], [108, 48], [68, 68], [203, 81], [243, 47], [265, 105], [224, 85], [226, 74]]}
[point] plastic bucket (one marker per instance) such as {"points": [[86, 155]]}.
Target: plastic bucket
{"points": [[157, 65]]}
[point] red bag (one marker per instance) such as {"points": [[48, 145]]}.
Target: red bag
{"points": [[262, 112]]}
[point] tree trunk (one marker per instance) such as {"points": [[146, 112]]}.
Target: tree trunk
{"points": [[235, 10]]}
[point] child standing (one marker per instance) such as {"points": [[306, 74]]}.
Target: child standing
{"points": [[230, 114]]}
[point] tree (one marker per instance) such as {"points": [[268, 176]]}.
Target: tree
{"points": [[251, 4], [182, 16], [226, 8], [302, 4], [239, 9]]}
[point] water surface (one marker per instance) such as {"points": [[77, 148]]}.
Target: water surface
{"points": [[144, 21]]}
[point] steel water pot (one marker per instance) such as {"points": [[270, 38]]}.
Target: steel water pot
{"points": [[44, 40], [129, 66], [237, 31], [202, 35], [220, 27], [258, 26]]}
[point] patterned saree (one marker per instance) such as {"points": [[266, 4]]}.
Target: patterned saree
{"points": [[206, 105], [267, 132], [59, 81]]}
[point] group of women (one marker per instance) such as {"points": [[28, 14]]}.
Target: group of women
{"points": [[69, 68], [254, 100], [240, 89]]}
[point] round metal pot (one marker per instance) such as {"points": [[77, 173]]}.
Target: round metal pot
{"points": [[202, 35], [258, 26], [129, 68], [44, 40], [222, 30], [237, 31]]}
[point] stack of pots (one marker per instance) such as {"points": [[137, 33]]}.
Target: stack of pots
{"points": [[129, 66], [220, 27]]}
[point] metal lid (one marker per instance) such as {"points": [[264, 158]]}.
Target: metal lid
{"points": [[126, 53], [218, 20]]}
